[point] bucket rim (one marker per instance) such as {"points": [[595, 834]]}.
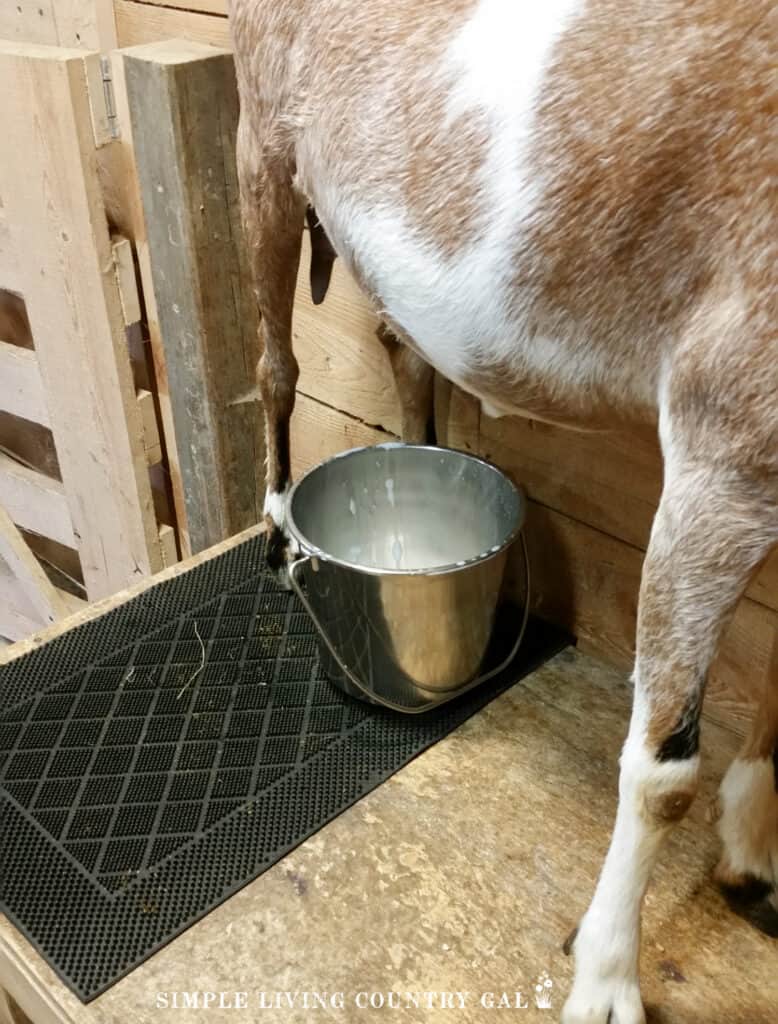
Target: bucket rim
{"points": [[310, 550]]}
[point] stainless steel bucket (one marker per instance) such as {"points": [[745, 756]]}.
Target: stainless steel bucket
{"points": [[403, 550]]}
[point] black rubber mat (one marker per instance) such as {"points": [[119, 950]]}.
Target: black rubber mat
{"points": [[155, 760]]}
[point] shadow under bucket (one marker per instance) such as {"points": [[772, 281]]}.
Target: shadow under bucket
{"points": [[403, 552]]}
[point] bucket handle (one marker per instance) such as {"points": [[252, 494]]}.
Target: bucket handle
{"points": [[375, 698]]}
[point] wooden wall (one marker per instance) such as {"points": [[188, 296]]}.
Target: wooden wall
{"points": [[204, 21], [592, 496]]}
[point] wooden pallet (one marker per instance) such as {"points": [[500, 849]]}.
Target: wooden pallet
{"points": [[77, 435]]}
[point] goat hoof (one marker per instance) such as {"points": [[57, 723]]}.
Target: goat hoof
{"points": [[612, 1001], [756, 901]]}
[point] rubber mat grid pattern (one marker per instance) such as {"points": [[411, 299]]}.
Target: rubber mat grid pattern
{"points": [[155, 760]]}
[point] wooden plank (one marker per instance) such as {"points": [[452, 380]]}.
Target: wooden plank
{"points": [[457, 417], [21, 387], [98, 105], [10, 1011], [75, 311], [83, 24], [124, 268], [9, 264], [318, 432], [29, 443], [14, 323], [609, 481], [151, 441], [35, 502], [62, 560], [20, 976], [15, 622], [119, 174], [105, 24], [34, 582], [29, 21], [203, 6], [86, 23], [18, 619], [72, 23], [167, 542], [342, 362], [138, 23], [764, 586], [204, 303], [13, 595]]}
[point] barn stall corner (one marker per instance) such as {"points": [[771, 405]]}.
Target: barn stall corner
{"points": [[171, 745]]}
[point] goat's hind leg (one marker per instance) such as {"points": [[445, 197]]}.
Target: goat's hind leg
{"points": [[273, 216], [414, 380], [713, 527], [748, 821]]}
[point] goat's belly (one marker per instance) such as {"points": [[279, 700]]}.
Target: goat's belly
{"points": [[466, 311], [465, 316]]}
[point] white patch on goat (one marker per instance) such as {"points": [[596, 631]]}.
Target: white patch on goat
{"points": [[608, 941], [499, 59], [461, 312], [275, 506], [748, 825]]}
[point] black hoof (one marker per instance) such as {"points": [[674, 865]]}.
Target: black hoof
{"points": [[755, 901]]}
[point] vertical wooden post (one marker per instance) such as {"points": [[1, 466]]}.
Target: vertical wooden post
{"points": [[183, 107], [119, 175]]}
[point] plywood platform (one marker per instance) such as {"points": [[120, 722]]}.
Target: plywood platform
{"points": [[463, 873]]}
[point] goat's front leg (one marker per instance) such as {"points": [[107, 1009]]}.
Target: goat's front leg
{"points": [[273, 215], [712, 528], [414, 380]]}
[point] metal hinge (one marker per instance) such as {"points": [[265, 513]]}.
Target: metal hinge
{"points": [[110, 102], [105, 123]]}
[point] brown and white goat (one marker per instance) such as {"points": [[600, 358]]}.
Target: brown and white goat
{"points": [[569, 209]]}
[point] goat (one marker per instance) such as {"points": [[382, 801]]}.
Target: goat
{"points": [[569, 210]]}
